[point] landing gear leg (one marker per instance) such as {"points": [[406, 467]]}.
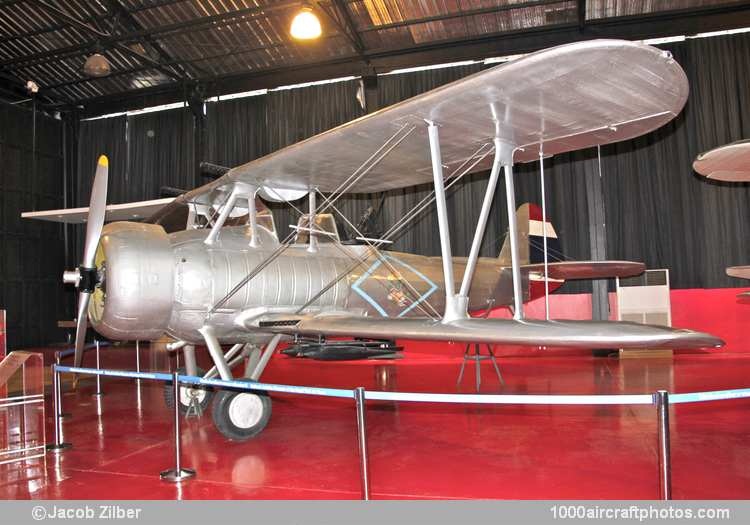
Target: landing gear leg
{"points": [[264, 358], [253, 354], [214, 348], [240, 415], [194, 400]]}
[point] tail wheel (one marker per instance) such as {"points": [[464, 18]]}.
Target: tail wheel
{"points": [[241, 415], [201, 394]]}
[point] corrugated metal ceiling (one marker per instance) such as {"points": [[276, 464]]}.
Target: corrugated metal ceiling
{"points": [[157, 42]]}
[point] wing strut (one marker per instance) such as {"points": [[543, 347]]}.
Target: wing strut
{"points": [[240, 190], [252, 211], [489, 196], [544, 234], [456, 305], [313, 237], [510, 199]]}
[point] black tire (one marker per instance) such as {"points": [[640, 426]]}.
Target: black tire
{"points": [[225, 406], [204, 393]]}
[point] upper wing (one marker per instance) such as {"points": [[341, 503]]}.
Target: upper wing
{"points": [[568, 97], [577, 334], [586, 269], [730, 162], [115, 212]]}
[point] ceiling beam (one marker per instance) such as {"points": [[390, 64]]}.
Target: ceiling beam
{"points": [[197, 24], [102, 35], [681, 22], [91, 19], [339, 13], [16, 88], [129, 21], [192, 61], [460, 14]]}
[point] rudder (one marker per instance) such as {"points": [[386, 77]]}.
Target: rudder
{"points": [[531, 237]]}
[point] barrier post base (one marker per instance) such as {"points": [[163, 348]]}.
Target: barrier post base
{"points": [[58, 447], [175, 476]]}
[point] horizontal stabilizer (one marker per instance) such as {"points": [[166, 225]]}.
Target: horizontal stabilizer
{"points": [[130, 211], [587, 269], [743, 272], [572, 334]]}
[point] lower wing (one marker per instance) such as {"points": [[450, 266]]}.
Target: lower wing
{"points": [[577, 334]]}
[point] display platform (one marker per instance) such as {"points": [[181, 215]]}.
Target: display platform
{"points": [[122, 440]]}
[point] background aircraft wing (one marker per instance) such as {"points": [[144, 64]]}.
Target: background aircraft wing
{"points": [[743, 272], [730, 163], [586, 269], [130, 211], [577, 334], [569, 97]]}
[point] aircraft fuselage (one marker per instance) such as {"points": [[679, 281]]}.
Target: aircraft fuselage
{"points": [[156, 283]]}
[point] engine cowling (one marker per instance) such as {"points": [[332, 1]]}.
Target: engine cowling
{"points": [[135, 267]]}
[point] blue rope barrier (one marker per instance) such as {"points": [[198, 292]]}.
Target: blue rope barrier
{"points": [[194, 380], [716, 395], [270, 387], [514, 399], [507, 399], [159, 376]]}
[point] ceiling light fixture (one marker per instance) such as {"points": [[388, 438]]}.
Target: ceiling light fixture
{"points": [[305, 25], [96, 65]]}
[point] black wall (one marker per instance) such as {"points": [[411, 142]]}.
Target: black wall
{"points": [[31, 252]]}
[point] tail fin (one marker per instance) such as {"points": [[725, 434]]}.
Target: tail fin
{"points": [[530, 237]]}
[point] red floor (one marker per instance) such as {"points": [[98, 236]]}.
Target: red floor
{"points": [[309, 449]]}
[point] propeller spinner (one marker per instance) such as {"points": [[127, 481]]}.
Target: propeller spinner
{"points": [[84, 277]]}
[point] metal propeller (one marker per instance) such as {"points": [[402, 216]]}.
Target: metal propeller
{"points": [[84, 277]]}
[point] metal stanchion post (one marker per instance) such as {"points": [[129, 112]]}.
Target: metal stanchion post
{"points": [[98, 392], [138, 357], [661, 399], [359, 398], [57, 412], [178, 473], [58, 399]]}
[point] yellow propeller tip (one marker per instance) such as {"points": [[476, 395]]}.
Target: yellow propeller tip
{"points": [[104, 161]]}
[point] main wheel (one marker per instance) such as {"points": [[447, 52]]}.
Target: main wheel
{"points": [[202, 394], [241, 415]]}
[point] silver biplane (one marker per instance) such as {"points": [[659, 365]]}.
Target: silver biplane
{"points": [[229, 280], [728, 163]]}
